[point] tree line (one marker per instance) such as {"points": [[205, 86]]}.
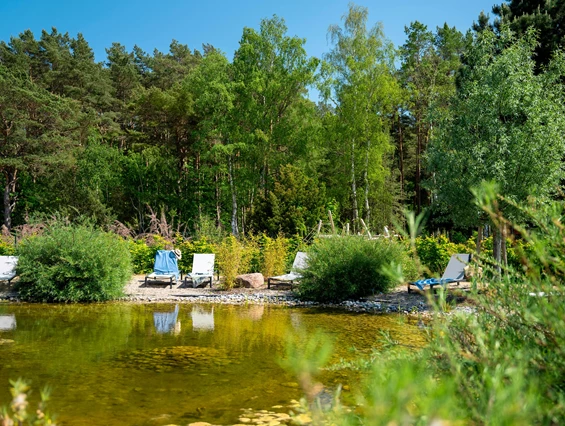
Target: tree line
{"points": [[239, 143]]}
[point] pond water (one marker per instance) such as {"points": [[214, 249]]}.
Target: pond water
{"points": [[151, 364]]}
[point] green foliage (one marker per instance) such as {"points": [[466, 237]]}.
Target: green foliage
{"points": [[501, 365], [142, 256], [351, 267], [73, 263], [506, 124], [500, 357], [6, 249], [429, 66], [359, 90], [230, 259], [293, 207], [189, 247], [545, 17], [38, 129], [275, 253], [18, 413], [435, 252]]}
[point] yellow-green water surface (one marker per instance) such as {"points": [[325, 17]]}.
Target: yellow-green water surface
{"points": [[155, 364]]}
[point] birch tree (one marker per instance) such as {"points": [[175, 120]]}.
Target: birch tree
{"points": [[359, 86]]}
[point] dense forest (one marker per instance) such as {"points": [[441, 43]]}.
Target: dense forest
{"points": [[199, 138]]}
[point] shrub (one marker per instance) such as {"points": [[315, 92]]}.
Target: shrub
{"points": [[142, 256], [434, 252], [350, 267], [251, 257], [6, 249], [230, 259], [73, 263], [189, 247], [275, 252]]}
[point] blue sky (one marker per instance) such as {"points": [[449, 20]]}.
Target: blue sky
{"points": [[153, 24]]}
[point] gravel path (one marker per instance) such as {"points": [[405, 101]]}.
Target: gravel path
{"points": [[399, 300]]}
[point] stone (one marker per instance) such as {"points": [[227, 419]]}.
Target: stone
{"points": [[255, 280]]}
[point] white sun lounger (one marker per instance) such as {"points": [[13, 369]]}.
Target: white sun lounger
{"points": [[8, 267], [202, 269], [300, 263]]}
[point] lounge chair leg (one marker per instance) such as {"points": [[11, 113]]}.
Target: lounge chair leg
{"points": [[408, 285], [268, 283]]}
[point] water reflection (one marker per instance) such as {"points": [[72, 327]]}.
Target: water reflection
{"points": [[166, 322], [202, 318], [253, 312], [7, 322], [223, 360]]}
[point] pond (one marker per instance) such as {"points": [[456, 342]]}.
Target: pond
{"points": [[151, 364]]}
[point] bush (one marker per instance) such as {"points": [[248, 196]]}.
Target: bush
{"points": [[351, 267], [230, 259], [189, 247], [434, 253], [73, 263], [275, 252], [6, 249], [142, 256]]}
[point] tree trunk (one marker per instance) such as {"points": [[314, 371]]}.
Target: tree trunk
{"points": [[218, 201], [418, 166], [496, 248], [367, 212], [234, 228], [9, 200], [401, 157], [479, 239], [354, 187], [199, 183], [503, 252]]}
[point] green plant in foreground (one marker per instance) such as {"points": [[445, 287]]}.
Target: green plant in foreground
{"points": [[501, 365], [18, 413], [73, 263]]}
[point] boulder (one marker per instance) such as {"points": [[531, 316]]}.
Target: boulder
{"points": [[254, 280]]}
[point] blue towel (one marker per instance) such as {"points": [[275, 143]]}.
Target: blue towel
{"points": [[165, 321], [432, 281], [166, 263]]}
